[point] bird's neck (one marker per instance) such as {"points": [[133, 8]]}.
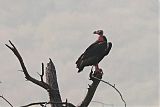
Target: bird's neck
{"points": [[100, 38]]}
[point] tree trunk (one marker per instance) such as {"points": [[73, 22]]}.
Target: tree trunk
{"points": [[51, 80], [92, 88]]}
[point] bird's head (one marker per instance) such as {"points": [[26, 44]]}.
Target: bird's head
{"points": [[99, 32], [101, 37]]}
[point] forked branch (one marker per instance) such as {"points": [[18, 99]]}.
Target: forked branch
{"points": [[24, 69]]}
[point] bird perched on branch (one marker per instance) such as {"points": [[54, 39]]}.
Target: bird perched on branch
{"points": [[94, 53]]}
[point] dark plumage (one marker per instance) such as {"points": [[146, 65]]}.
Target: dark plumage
{"points": [[94, 54]]}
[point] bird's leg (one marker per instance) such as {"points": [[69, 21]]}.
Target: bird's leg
{"points": [[97, 69]]}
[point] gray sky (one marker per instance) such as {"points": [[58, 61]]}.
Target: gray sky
{"points": [[62, 30]]}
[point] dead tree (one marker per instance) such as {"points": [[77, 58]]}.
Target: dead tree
{"points": [[51, 84]]}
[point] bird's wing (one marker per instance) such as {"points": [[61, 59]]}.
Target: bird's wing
{"points": [[86, 51], [95, 49], [109, 46], [92, 50]]}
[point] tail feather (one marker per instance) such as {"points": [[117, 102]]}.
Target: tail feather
{"points": [[80, 69], [80, 66]]}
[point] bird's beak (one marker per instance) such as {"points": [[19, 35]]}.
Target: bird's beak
{"points": [[95, 32]]}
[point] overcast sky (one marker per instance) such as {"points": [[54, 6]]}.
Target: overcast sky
{"points": [[62, 30]]}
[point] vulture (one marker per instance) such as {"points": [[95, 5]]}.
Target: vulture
{"points": [[94, 53]]}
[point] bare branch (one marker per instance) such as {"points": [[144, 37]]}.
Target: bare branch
{"points": [[42, 71], [6, 101], [113, 87], [46, 103], [27, 76], [15, 51], [41, 75]]}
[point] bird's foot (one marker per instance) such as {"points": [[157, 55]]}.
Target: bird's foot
{"points": [[98, 71]]}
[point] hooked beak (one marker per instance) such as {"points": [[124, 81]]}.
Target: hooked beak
{"points": [[95, 32]]}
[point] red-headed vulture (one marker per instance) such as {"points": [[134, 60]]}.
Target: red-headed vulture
{"points": [[94, 53]]}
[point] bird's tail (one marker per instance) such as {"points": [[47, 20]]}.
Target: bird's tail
{"points": [[80, 69]]}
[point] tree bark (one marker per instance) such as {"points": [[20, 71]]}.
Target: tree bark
{"points": [[51, 80]]}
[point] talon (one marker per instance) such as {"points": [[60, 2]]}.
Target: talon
{"points": [[98, 71]]}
